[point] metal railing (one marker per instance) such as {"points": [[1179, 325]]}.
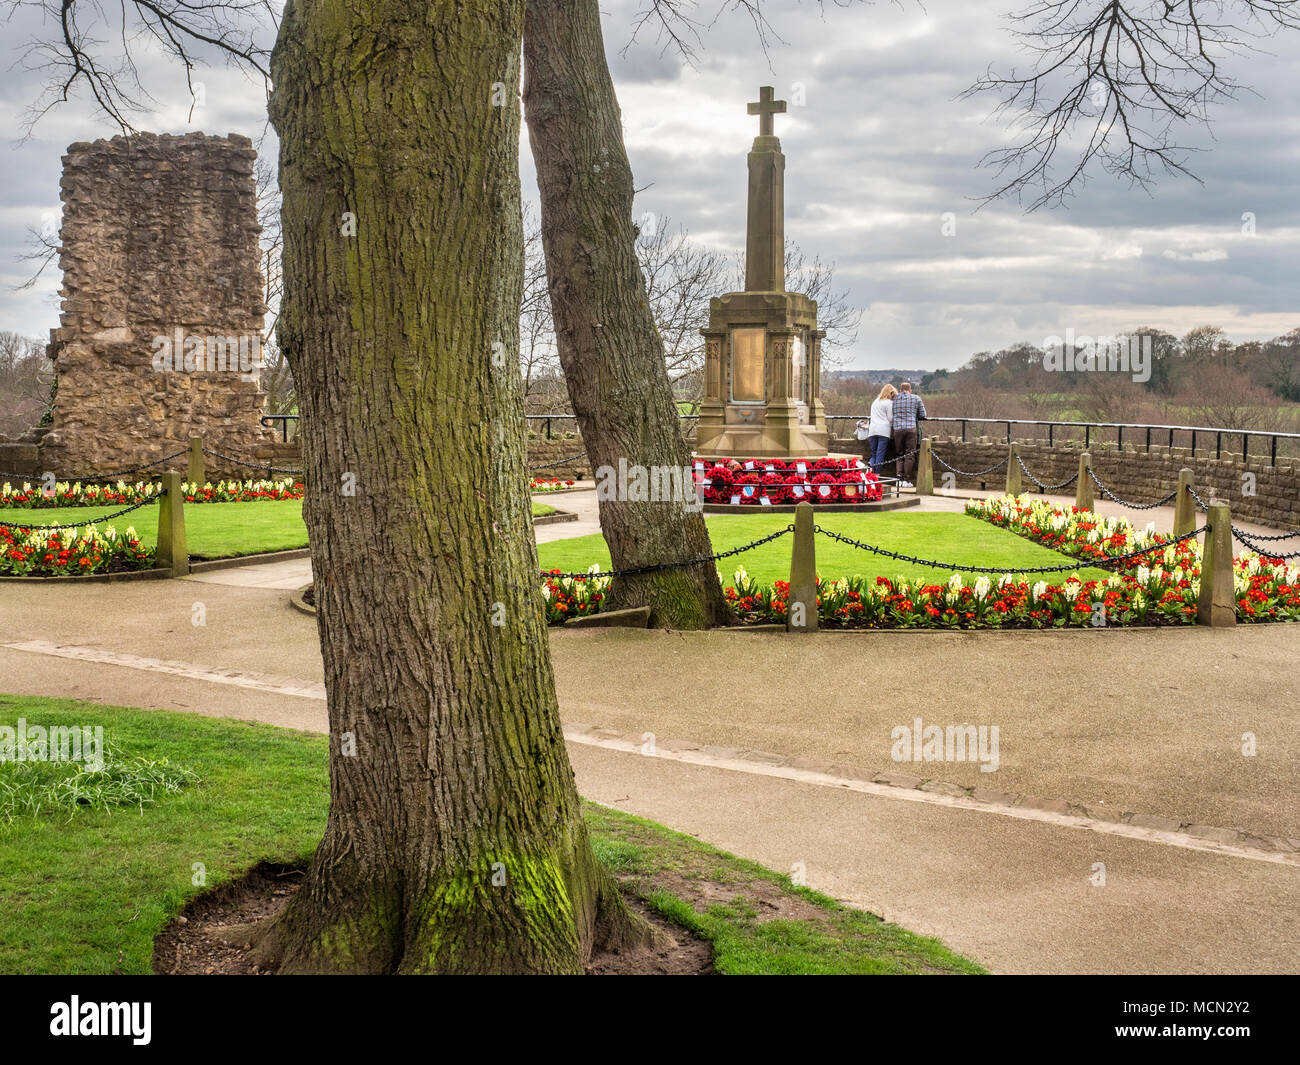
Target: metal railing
{"points": [[1146, 435], [1138, 433], [270, 420]]}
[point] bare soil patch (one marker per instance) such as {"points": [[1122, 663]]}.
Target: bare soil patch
{"points": [[199, 942]]}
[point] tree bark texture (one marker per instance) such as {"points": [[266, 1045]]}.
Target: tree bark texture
{"points": [[609, 347], [455, 841]]}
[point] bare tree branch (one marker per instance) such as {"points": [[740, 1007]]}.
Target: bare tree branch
{"points": [[75, 53], [1111, 83]]}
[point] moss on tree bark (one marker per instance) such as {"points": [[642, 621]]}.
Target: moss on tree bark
{"points": [[455, 841]]}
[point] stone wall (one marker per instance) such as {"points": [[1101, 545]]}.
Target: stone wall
{"points": [[159, 258], [1133, 474], [543, 451], [561, 446]]}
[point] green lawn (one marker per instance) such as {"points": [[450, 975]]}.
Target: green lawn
{"points": [[86, 890], [212, 530], [942, 537]]}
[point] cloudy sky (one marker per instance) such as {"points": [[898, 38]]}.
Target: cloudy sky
{"points": [[878, 152]]}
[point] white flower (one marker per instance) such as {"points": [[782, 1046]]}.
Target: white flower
{"points": [[954, 584], [1143, 575], [546, 591], [1040, 590], [982, 587]]}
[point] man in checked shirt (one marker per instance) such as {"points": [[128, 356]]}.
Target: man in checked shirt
{"points": [[908, 408]]}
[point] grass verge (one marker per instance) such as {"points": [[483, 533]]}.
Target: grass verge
{"points": [[941, 537], [88, 887], [212, 530]]}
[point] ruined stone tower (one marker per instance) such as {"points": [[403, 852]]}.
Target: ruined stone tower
{"points": [[162, 310]]}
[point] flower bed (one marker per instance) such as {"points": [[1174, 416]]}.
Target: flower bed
{"points": [[76, 494], [549, 484], [1160, 588], [1152, 597], [770, 482], [1084, 535], [59, 552], [1266, 588], [572, 597]]}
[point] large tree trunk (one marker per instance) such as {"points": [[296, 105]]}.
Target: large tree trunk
{"points": [[455, 841], [609, 347]]}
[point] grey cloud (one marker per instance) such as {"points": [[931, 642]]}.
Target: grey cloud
{"points": [[881, 150]]}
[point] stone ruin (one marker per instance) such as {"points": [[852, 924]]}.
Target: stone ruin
{"points": [[162, 311]]}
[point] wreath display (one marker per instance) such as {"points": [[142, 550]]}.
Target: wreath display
{"points": [[778, 481], [774, 486], [747, 488], [718, 484], [825, 489]]}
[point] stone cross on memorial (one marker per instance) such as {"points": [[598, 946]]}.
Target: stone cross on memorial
{"points": [[765, 236], [762, 356]]}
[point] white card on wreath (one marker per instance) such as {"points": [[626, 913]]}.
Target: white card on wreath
{"points": [[802, 467], [765, 501], [735, 501]]}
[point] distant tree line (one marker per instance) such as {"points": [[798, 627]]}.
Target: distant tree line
{"points": [[26, 383], [1201, 378]]}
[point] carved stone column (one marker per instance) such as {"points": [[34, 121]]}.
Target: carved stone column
{"points": [[816, 409], [711, 423]]}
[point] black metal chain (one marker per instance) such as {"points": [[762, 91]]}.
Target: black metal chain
{"points": [[94, 477], [1047, 487], [1084, 564], [1199, 501], [967, 473], [251, 465], [91, 521], [558, 462], [1124, 502], [1252, 541], [676, 565], [1280, 536]]}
